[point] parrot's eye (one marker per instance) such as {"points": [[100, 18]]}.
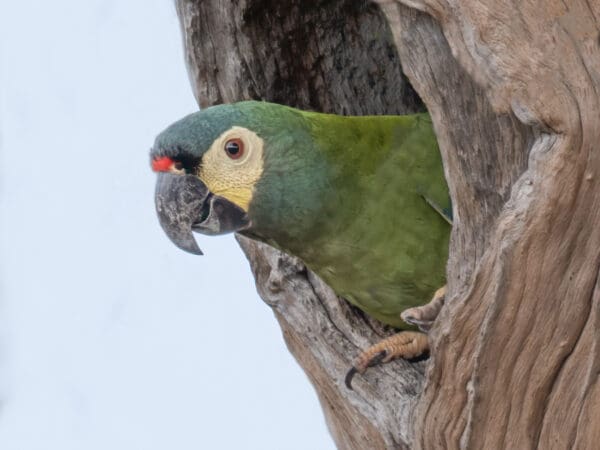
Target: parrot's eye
{"points": [[177, 165], [234, 148]]}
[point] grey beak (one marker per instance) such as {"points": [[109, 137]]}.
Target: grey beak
{"points": [[184, 204], [179, 202]]}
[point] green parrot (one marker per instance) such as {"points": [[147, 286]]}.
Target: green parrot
{"points": [[362, 201]]}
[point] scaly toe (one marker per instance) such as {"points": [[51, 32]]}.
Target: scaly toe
{"points": [[406, 344]]}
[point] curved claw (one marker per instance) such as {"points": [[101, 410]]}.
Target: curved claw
{"points": [[349, 376], [409, 345], [362, 366]]}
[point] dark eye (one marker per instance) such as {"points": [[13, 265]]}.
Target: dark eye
{"points": [[234, 148], [177, 165]]}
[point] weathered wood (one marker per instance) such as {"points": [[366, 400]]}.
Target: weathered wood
{"points": [[513, 91], [333, 56], [323, 333], [516, 354], [330, 55]]}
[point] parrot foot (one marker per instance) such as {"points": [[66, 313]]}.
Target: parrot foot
{"points": [[406, 344], [424, 316]]}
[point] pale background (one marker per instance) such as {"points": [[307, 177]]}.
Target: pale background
{"points": [[110, 337]]}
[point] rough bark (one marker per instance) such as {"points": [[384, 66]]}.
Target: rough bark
{"points": [[517, 351], [323, 333], [513, 91]]}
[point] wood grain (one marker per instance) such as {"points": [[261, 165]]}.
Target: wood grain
{"points": [[516, 350]]}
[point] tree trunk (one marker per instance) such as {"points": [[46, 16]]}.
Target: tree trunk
{"points": [[513, 92]]}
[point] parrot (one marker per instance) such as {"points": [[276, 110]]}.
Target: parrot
{"points": [[362, 200]]}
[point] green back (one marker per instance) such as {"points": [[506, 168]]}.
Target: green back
{"points": [[348, 196]]}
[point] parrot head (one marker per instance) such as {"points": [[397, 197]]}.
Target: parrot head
{"points": [[213, 164]]}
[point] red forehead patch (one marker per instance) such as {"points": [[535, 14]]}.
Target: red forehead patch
{"points": [[162, 164]]}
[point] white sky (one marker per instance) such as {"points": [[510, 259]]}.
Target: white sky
{"points": [[110, 337]]}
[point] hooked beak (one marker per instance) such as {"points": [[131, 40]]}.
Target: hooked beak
{"points": [[184, 204]]}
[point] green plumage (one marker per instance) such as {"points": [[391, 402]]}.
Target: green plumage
{"points": [[354, 197]]}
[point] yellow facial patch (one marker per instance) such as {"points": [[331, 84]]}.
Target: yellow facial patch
{"points": [[229, 177]]}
